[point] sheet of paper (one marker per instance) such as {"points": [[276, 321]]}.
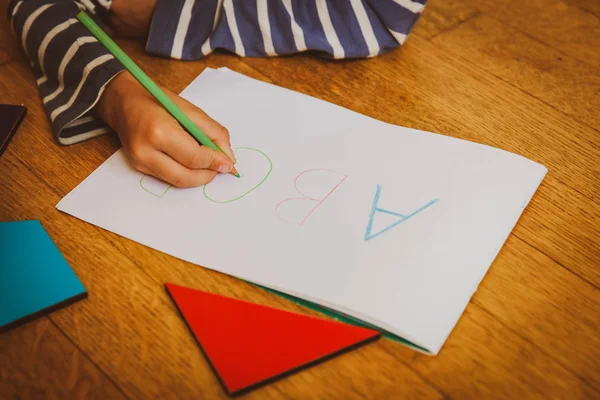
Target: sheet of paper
{"points": [[391, 225]]}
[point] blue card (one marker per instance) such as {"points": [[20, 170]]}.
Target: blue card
{"points": [[35, 278]]}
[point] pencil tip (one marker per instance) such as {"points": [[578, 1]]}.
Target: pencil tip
{"points": [[234, 172]]}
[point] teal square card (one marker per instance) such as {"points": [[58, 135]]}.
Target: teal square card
{"points": [[35, 278]]}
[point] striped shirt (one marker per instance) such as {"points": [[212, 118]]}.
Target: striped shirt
{"points": [[73, 68]]}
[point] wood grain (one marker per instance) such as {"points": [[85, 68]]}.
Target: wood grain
{"points": [[563, 224], [530, 65], [4, 57], [572, 27], [9, 48], [473, 70], [591, 6], [38, 361], [492, 361], [441, 16], [547, 305]]}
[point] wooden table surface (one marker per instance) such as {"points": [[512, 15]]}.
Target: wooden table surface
{"points": [[521, 75]]}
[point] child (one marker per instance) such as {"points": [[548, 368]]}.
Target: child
{"points": [[85, 90]]}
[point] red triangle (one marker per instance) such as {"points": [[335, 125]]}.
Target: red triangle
{"points": [[248, 344]]}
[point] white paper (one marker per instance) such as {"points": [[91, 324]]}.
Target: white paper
{"points": [[303, 230]]}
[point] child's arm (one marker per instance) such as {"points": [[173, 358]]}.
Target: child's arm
{"points": [[82, 85], [191, 29], [70, 66]]}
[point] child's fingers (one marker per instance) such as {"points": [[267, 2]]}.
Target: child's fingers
{"points": [[224, 143], [215, 131], [164, 167], [184, 149]]}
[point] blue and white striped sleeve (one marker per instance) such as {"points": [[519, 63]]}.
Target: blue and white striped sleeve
{"points": [[192, 29], [71, 66]]}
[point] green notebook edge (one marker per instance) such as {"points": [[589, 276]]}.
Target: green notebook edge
{"points": [[338, 316]]}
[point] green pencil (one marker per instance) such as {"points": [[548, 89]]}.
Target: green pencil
{"points": [[146, 82]]}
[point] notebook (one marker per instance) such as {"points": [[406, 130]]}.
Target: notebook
{"points": [[389, 225]]}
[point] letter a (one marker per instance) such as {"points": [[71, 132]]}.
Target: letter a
{"points": [[401, 217]]}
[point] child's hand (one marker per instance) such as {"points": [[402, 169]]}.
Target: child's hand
{"points": [[155, 142]]}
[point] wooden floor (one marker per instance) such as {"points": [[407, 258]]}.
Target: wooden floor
{"points": [[521, 75]]}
